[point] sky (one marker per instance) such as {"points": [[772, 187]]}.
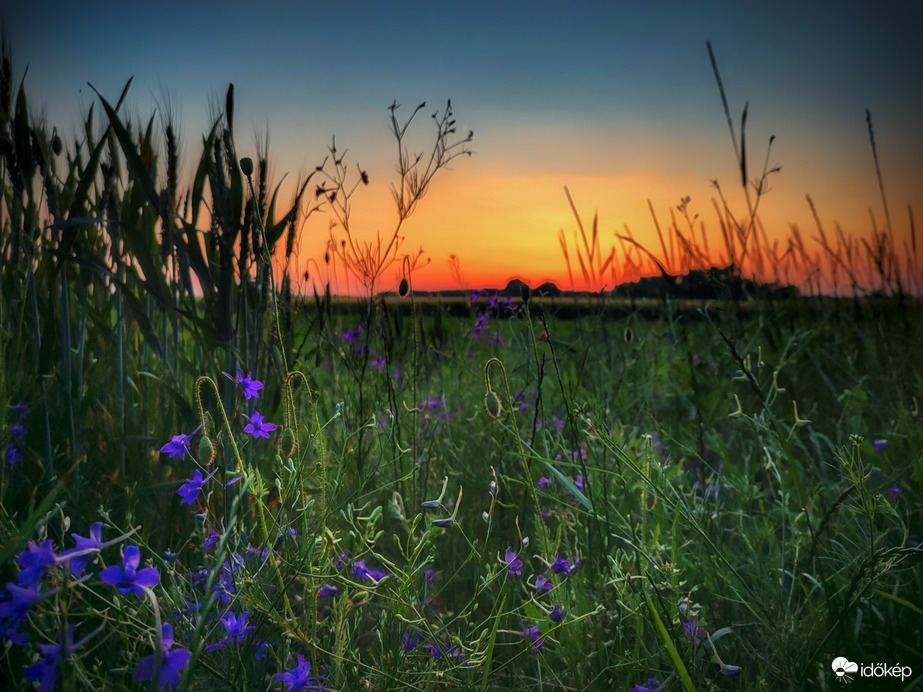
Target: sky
{"points": [[615, 100]]}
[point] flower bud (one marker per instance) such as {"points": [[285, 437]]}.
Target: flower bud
{"points": [[206, 450], [287, 442], [246, 166], [404, 287], [492, 403]]}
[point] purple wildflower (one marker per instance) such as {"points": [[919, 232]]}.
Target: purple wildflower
{"points": [[693, 631], [542, 482], [542, 584], [299, 678], [378, 362], [649, 686], [560, 565], [93, 545], [480, 323], [178, 446], [513, 563], [18, 434], [211, 540], [237, 628], [34, 562], [172, 661], [327, 591], [410, 642], [363, 572], [879, 446], [258, 427], [557, 614], [894, 492], [12, 455], [14, 609], [189, 491], [128, 578]]}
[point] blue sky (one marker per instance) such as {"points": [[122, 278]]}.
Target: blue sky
{"points": [[616, 100]]}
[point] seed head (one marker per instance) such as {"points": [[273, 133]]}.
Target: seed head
{"points": [[246, 166], [492, 403]]}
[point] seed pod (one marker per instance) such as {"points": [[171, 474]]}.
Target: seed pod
{"points": [[404, 287], [206, 450], [525, 292], [627, 334], [492, 403], [287, 443], [56, 145], [246, 166]]}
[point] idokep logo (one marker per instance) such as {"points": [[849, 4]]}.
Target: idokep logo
{"points": [[843, 668]]}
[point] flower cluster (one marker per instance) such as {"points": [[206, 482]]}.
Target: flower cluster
{"points": [[13, 452]]}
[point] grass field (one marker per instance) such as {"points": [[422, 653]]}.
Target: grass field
{"points": [[210, 482]]}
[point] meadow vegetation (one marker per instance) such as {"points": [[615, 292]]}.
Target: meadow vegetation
{"points": [[213, 480]]}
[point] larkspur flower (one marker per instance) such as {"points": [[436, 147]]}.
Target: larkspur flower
{"points": [[34, 562], [410, 642], [178, 446], [480, 323], [693, 631], [299, 678], [557, 614], [894, 492], [20, 410], [542, 584], [378, 362], [258, 427], [649, 686], [327, 591], [189, 490], [879, 446], [87, 549], [542, 482], [128, 578], [538, 641], [18, 434], [45, 670], [561, 565], [172, 661], [12, 455], [250, 387], [211, 540], [237, 629], [512, 563], [15, 607], [364, 573]]}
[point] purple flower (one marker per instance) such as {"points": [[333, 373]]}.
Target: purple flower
{"points": [[178, 446], [34, 561], [410, 642], [327, 591], [20, 409], [92, 545], [351, 336], [18, 434], [579, 482], [250, 387], [258, 427], [363, 572], [172, 661], [128, 578], [480, 323], [879, 446], [894, 492], [538, 641], [299, 678], [189, 491], [561, 565], [513, 563], [693, 632], [378, 362], [542, 482], [211, 540], [649, 686], [12, 455], [542, 584], [237, 628], [557, 614], [14, 609], [45, 670]]}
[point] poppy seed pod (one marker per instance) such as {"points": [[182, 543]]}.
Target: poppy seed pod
{"points": [[206, 450], [404, 287], [492, 403], [287, 442], [246, 166]]}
